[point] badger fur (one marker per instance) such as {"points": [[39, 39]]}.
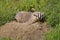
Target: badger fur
{"points": [[24, 16]]}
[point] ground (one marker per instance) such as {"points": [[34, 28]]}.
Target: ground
{"points": [[20, 31]]}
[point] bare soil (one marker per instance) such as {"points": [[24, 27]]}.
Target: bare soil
{"points": [[24, 31]]}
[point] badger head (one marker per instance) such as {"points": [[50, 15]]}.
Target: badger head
{"points": [[39, 15]]}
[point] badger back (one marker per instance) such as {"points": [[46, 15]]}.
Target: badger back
{"points": [[23, 16]]}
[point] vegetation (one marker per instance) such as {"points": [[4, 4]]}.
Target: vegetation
{"points": [[54, 34], [51, 8]]}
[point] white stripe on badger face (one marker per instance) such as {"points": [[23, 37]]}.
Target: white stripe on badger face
{"points": [[39, 15]]}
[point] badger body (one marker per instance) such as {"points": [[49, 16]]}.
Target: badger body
{"points": [[24, 16]]}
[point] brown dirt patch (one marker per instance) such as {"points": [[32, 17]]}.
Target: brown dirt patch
{"points": [[20, 31]]}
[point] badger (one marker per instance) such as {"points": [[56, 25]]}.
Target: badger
{"points": [[24, 16]]}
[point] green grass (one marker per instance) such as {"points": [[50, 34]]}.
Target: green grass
{"points": [[51, 8], [54, 34]]}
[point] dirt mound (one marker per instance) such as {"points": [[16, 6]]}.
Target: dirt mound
{"points": [[23, 31]]}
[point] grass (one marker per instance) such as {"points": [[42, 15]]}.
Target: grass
{"points": [[51, 8], [54, 34]]}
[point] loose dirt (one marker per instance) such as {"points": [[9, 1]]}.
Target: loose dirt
{"points": [[24, 31]]}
